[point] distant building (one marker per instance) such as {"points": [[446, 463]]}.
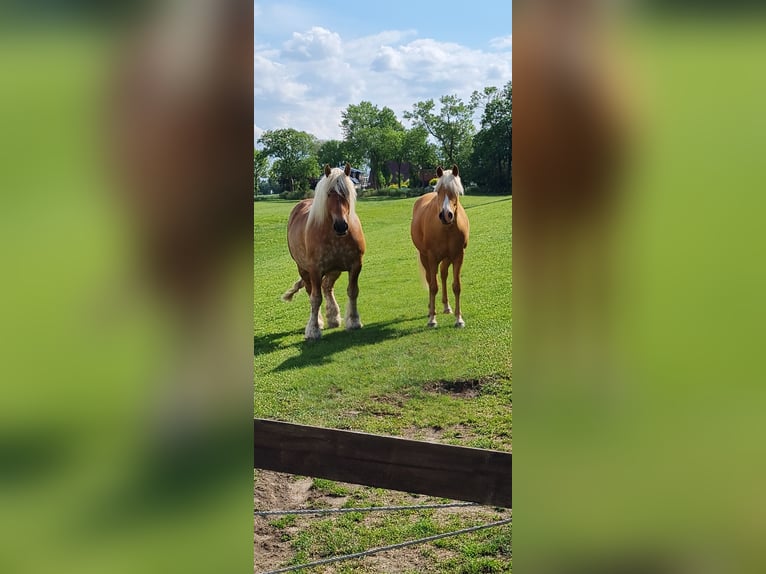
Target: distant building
{"points": [[359, 177], [417, 178]]}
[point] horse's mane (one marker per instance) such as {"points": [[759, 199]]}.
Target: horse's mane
{"points": [[339, 181], [450, 182]]}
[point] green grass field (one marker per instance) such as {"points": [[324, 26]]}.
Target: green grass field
{"points": [[395, 376]]}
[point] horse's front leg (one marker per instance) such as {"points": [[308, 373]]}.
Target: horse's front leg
{"points": [[456, 266], [331, 304], [433, 287], [444, 272], [314, 328], [352, 313]]}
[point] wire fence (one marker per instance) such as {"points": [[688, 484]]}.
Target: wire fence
{"points": [[372, 551], [318, 511]]}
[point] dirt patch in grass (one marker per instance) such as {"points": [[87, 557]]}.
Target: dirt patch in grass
{"points": [[275, 491], [454, 434], [464, 388], [384, 405], [411, 559]]}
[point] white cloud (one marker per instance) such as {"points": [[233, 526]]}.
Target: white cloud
{"points": [[388, 59], [316, 44], [274, 80], [318, 73], [502, 43], [370, 44]]}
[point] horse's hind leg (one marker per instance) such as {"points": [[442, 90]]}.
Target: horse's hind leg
{"points": [[456, 266], [444, 272], [331, 305], [307, 285], [352, 313], [314, 326]]}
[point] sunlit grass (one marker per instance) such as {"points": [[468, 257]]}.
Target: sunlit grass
{"points": [[385, 377]]}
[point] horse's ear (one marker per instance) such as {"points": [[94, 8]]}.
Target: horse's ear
{"points": [[327, 169], [347, 170], [439, 171], [455, 171]]}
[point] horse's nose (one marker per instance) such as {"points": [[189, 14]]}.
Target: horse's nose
{"points": [[446, 216], [340, 227]]}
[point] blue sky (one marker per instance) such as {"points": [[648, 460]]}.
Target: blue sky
{"points": [[313, 59]]}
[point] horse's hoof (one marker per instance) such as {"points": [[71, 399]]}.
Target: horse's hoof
{"points": [[459, 324], [332, 323], [432, 324], [448, 310], [353, 325], [313, 334]]}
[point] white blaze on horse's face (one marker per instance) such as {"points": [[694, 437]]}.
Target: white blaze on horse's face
{"points": [[448, 207], [338, 206], [447, 215], [449, 185]]}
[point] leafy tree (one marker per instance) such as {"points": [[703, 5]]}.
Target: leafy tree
{"points": [[260, 168], [452, 126], [493, 145], [295, 161], [393, 149], [368, 132], [267, 187], [337, 152], [410, 146], [419, 152]]}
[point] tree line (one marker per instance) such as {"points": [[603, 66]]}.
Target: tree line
{"points": [[289, 161]]}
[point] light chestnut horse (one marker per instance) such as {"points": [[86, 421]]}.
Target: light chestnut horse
{"points": [[440, 232], [325, 238]]}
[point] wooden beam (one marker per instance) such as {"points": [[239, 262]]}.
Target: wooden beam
{"points": [[455, 472]]}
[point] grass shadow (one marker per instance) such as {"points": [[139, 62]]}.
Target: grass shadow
{"points": [[320, 352], [488, 203], [265, 344], [381, 198]]}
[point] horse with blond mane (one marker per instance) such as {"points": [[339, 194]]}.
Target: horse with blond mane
{"points": [[440, 230], [325, 238]]}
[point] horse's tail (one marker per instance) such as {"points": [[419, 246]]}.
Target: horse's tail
{"points": [[288, 295]]}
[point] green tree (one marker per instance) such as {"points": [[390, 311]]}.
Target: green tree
{"points": [[493, 145], [260, 168], [452, 126], [367, 131], [337, 152], [294, 152], [419, 152], [409, 146]]}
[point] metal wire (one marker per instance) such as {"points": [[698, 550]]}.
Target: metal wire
{"points": [[315, 511], [391, 547]]}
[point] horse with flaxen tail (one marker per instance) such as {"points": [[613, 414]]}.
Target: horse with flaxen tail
{"points": [[325, 239], [440, 231]]}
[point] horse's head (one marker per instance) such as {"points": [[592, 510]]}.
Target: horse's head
{"points": [[448, 192], [335, 196]]}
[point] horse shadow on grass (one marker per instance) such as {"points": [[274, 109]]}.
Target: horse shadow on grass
{"points": [[265, 344], [334, 341]]}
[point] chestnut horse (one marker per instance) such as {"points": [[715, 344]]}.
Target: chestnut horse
{"points": [[325, 238], [440, 232]]}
